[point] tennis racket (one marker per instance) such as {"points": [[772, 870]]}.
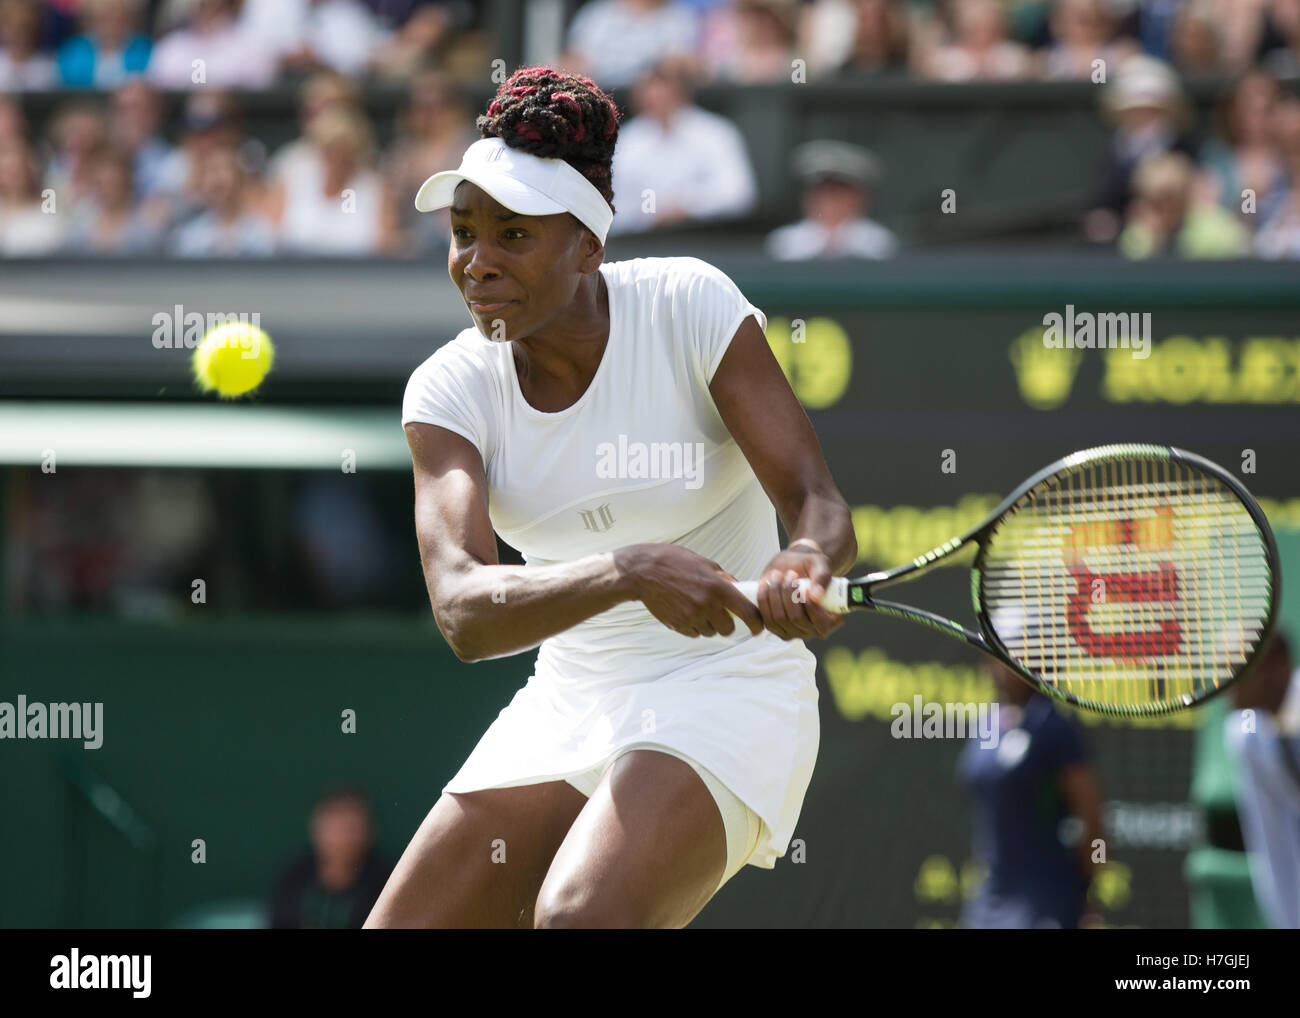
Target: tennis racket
{"points": [[1125, 579]]}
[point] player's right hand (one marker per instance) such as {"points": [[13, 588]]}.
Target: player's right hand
{"points": [[688, 593]]}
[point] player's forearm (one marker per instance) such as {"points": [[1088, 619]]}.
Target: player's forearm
{"points": [[493, 611], [826, 523]]}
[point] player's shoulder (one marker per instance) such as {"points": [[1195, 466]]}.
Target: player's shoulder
{"points": [[667, 274], [467, 359]]}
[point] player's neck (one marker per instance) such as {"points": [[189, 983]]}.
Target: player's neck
{"points": [[558, 360]]}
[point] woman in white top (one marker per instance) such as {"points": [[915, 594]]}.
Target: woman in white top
{"points": [[626, 428]]}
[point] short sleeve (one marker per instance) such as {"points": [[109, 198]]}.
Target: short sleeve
{"points": [[712, 308], [449, 390]]}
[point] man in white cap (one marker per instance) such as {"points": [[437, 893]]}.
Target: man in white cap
{"points": [[1145, 103], [838, 181]]}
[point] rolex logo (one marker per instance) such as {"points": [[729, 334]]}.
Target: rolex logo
{"points": [[597, 519]]}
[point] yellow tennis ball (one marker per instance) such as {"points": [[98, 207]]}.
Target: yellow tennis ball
{"points": [[232, 359]]}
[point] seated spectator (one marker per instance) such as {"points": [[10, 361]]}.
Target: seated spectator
{"points": [[210, 122], [135, 117], [1279, 46], [230, 225], [676, 162], [415, 31], [980, 49], [1166, 217], [13, 124], [338, 35], [1083, 33], [837, 181], [751, 41], [1144, 100], [1196, 38], [212, 49], [323, 91], [613, 41], [435, 130], [1241, 167], [77, 134], [29, 225], [1279, 234], [22, 64], [111, 48], [111, 223], [854, 36], [335, 883], [338, 204]]}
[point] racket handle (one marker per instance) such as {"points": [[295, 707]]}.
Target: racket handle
{"points": [[836, 599]]}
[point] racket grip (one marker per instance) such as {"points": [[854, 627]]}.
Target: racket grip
{"points": [[836, 599]]}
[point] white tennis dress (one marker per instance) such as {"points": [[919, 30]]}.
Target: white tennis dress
{"points": [[642, 457]]}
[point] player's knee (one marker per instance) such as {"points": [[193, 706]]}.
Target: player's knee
{"points": [[563, 908]]}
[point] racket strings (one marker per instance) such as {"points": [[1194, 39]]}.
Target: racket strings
{"points": [[1134, 583]]}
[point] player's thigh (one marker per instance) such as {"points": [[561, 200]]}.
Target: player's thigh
{"points": [[648, 850], [479, 858]]}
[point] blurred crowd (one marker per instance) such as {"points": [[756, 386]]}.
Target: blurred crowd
{"points": [[115, 171], [133, 543], [748, 41]]}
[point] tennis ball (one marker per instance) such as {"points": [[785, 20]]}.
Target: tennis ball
{"points": [[233, 359]]}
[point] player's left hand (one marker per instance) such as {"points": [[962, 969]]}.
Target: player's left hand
{"points": [[787, 612]]}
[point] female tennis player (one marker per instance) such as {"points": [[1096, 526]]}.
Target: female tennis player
{"points": [[627, 429]]}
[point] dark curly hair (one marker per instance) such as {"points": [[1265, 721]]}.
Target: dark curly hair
{"points": [[557, 115]]}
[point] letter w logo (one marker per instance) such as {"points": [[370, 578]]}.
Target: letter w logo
{"points": [[1135, 589], [597, 519]]}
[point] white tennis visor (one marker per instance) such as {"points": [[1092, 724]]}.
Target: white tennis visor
{"points": [[523, 183]]}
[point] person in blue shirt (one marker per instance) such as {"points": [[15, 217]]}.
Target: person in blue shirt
{"points": [[110, 51], [1029, 792]]}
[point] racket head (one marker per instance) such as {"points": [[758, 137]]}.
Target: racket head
{"points": [[1132, 580]]}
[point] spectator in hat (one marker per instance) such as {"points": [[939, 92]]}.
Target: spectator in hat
{"points": [[838, 181], [676, 162], [1145, 103]]}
